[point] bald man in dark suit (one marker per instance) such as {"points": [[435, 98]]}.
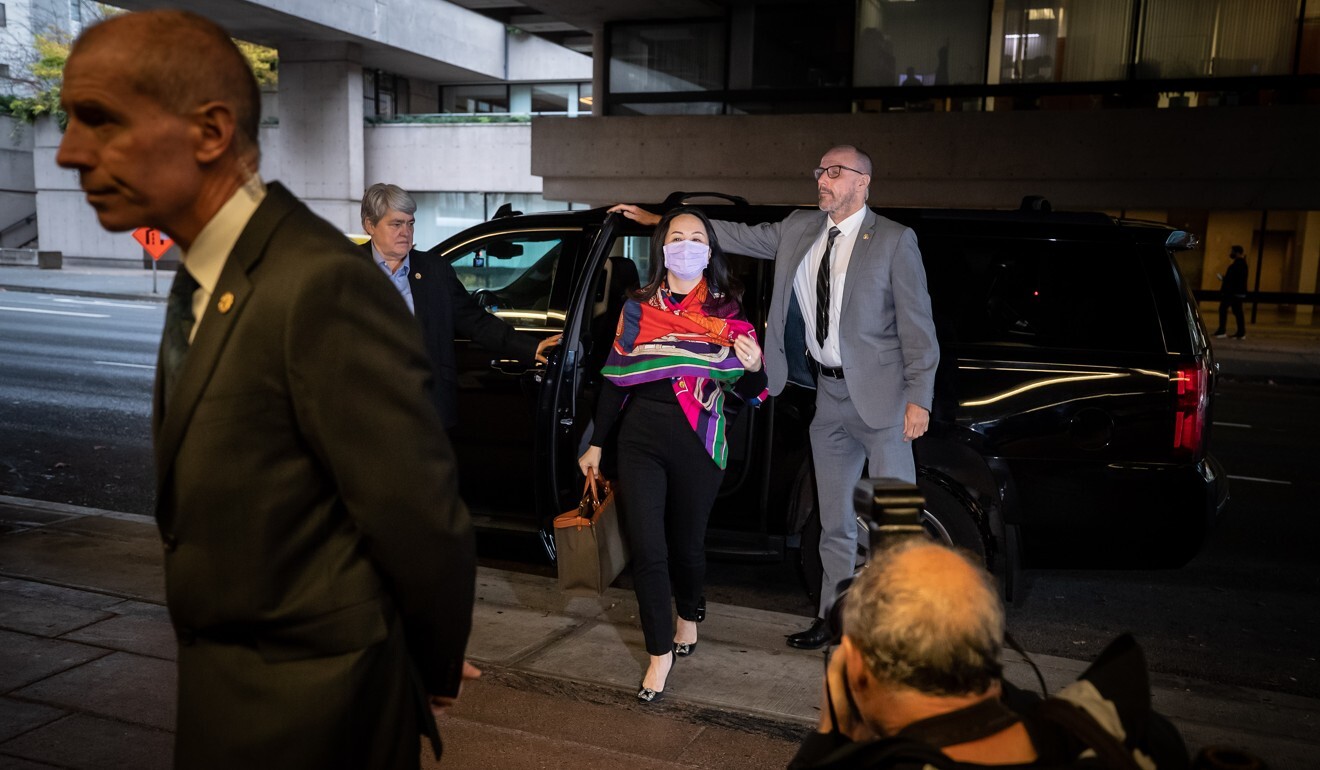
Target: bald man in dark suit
{"points": [[322, 607]]}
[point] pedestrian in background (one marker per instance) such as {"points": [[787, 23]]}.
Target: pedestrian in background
{"points": [[1232, 292], [440, 302], [319, 566], [682, 342]]}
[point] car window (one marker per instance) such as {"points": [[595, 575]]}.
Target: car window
{"points": [[1042, 293], [637, 249], [513, 274]]}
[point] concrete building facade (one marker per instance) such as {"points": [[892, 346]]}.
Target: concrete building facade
{"points": [[1202, 113]]}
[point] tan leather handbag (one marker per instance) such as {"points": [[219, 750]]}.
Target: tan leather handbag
{"points": [[589, 543]]}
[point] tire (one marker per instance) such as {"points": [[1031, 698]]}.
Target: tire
{"points": [[810, 569], [945, 517], [806, 509], [949, 521]]}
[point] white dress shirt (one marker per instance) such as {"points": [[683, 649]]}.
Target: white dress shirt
{"points": [[206, 259], [804, 283]]}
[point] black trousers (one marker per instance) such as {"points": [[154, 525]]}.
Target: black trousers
{"points": [[667, 485], [1235, 304]]}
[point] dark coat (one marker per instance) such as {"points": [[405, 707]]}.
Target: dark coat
{"points": [[445, 309], [319, 565], [1235, 278]]}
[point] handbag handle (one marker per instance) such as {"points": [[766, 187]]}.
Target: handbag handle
{"points": [[566, 520], [595, 493]]}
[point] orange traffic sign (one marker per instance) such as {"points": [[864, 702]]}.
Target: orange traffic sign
{"points": [[154, 241]]}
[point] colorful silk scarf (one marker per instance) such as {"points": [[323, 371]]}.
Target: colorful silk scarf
{"points": [[661, 338]]}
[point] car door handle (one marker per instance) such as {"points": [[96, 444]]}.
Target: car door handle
{"points": [[510, 366]]}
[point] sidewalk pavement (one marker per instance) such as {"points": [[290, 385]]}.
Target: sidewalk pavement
{"points": [[87, 673], [86, 650], [1276, 348]]}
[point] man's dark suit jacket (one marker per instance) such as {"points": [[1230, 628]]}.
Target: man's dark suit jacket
{"points": [[319, 565], [444, 307]]}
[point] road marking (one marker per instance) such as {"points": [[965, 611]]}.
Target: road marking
{"points": [[1263, 481], [1231, 425], [53, 312], [131, 366], [107, 303]]}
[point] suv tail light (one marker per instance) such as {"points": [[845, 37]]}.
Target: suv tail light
{"points": [[1191, 385]]}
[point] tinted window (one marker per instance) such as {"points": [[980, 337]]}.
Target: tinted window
{"points": [[1042, 293], [513, 274]]}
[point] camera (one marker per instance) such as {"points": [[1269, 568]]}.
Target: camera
{"points": [[886, 508]]}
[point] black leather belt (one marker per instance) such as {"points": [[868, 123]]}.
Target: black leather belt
{"points": [[835, 372]]}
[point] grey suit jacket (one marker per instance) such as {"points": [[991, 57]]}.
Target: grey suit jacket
{"points": [[888, 335], [319, 565]]}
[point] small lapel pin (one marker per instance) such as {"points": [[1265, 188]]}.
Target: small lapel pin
{"points": [[418, 276], [866, 236], [226, 302]]}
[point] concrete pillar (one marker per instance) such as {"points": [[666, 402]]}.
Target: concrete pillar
{"points": [[599, 86], [320, 132], [1308, 239]]}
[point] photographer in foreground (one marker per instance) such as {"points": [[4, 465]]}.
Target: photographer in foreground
{"points": [[916, 682]]}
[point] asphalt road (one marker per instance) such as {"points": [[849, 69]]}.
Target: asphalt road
{"points": [[75, 394]]}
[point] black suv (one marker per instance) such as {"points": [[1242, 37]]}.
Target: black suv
{"points": [[1071, 421]]}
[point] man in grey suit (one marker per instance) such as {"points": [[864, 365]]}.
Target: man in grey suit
{"points": [[856, 281], [319, 566]]}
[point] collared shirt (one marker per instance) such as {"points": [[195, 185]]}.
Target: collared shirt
{"points": [[206, 259], [399, 277], [804, 283]]}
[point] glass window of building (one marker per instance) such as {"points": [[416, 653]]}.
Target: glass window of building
{"points": [[475, 99], [656, 56], [928, 43], [1229, 38], [385, 95], [368, 93], [792, 44], [1063, 40], [1309, 63], [540, 98]]}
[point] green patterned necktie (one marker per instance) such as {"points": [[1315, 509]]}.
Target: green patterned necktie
{"points": [[178, 327]]}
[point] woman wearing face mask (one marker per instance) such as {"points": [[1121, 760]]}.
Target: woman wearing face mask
{"points": [[682, 347]]}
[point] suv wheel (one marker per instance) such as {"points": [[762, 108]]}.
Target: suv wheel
{"points": [[950, 522], [945, 518]]}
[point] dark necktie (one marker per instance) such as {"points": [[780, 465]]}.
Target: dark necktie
{"points": [[178, 326], [823, 291]]}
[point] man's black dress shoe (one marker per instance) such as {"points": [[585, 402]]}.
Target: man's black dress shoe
{"points": [[811, 639]]}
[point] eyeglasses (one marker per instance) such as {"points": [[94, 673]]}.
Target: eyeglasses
{"points": [[834, 171]]}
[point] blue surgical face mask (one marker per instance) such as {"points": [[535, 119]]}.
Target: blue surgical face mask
{"points": [[687, 259]]}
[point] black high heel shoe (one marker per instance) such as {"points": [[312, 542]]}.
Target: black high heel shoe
{"points": [[684, 649], [646, 694]]}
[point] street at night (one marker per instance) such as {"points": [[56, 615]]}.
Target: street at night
{"points": [[76, 390]]}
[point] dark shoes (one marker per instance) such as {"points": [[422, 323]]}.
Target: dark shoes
{"points": [[1219, 334], [813, 638], [1240, 336], [684, 649], [647, 695]]}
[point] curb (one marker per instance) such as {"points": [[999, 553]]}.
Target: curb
{"points": [[161, 298]]}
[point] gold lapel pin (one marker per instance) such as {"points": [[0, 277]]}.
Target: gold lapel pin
{"points": [[418, 276], [866, 236], [226, 302]]}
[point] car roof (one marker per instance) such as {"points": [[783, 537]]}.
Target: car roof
{"points": [[1005, 223]]}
